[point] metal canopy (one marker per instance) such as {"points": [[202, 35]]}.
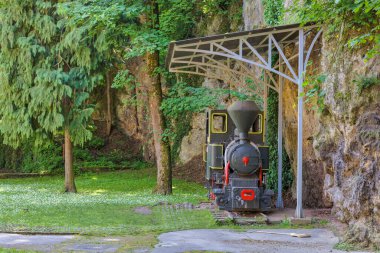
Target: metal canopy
{"points": [[234, 57]]}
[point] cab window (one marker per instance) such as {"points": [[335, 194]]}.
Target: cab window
{"points": [[219, 123], [257, 126]]}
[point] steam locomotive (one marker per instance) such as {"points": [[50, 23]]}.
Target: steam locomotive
{"points": [[236, 158]]}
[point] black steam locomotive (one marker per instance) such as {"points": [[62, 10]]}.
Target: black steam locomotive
{"points": [[236, 158]]}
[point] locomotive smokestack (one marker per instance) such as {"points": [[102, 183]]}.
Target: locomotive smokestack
{"points": [[243, 114]]}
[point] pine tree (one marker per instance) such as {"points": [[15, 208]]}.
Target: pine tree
{"points": [[48, 68], [54, 53]]}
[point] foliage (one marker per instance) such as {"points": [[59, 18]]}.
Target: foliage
{"points": [[31, 88], [176, 21], [364, 82], [272, 126], [47, 159], [345, 246], [315, 91], [183, 98], [230, 12], [95, 143], [273, 13], [214, 7], [177, 18], [31, 159], [124, 79], [107, 23], [357, 22], [182, 101], [50, 63]]}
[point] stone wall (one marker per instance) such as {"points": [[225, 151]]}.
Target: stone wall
{"points": [[341, 145], [253, 14], [347, 141], [130, 113], [313, 175]]}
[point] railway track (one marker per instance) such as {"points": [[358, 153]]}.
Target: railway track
{"points": [[240, 218]]}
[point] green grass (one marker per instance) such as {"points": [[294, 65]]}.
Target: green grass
{"points": [[344, 246], [10, 250], [104, 204]]}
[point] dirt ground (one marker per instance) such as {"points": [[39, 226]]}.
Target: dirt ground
{"points": [[193, 171]]}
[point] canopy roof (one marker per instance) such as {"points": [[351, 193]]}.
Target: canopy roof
{"points": [[235, 56]]}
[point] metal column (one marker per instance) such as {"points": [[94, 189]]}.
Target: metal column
{"points": [[265, 105], [299, 210], [280, 203]]}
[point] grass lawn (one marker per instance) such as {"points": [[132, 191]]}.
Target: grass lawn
{"points": [[104, 205]]}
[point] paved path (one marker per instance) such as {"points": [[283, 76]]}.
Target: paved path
{"points": [[321, 241], [32, 242], [218, 240]]}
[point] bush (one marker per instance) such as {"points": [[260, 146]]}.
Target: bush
{"points": [[81, 154], [48, 159], [95, 143]]}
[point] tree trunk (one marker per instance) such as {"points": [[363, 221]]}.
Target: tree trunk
{"points": [[161, 146], [69, 172], [109, 112]]}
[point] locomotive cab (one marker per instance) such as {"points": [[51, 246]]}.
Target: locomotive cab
{"points": [[237, 158]]}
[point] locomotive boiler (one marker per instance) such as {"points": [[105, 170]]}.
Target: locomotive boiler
{"points": [[237, 158]]}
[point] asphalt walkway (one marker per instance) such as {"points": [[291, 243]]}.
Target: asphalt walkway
{"points": [[321, 241], [214, 240]]}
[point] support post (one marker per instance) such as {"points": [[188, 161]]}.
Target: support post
{"points": [[299, 210], [280, 203], [266, 80]]}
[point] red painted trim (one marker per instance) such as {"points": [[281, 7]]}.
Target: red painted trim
{"points": [[227, 173], [212, 195], [261, 177]]}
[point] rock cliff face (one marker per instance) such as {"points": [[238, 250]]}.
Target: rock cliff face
{"points": [[347, 141], [192, 144], [132, 111], [130, 114], [253, 14], [313, 175], [341, 144]]}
